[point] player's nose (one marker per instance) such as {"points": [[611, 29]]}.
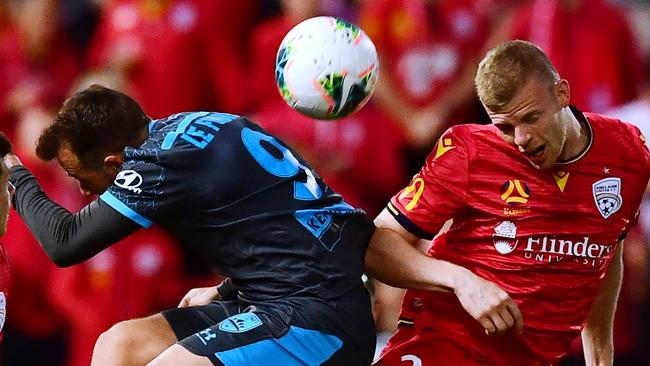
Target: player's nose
{"points": [[522, 136]]}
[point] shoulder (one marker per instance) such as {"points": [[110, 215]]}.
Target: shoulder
{"points": [[472, 137], [189, 129], [461, 144], [620, 140], [616, 132]]}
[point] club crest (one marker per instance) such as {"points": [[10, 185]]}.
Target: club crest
{"points": [[607, 195], [240, 323]]}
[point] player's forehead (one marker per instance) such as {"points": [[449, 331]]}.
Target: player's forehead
{"points": [[68, 160], [531, 99]]}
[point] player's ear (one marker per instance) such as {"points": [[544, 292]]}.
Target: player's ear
{"points": [[114, 161], [563, 92]]}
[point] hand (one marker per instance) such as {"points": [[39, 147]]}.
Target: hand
{"points": [[200, 296], [489, 305], [11, 160]]}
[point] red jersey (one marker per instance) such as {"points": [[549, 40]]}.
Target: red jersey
{"points": [[4, 286], [546, 237]]}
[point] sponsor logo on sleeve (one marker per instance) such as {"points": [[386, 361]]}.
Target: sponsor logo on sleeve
{"points": [[607, 195], [129, 180], [444, 145]]}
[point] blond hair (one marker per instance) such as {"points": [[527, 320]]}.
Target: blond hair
{"points": [[506, 68]]}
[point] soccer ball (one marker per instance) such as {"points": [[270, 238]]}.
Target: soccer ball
{"points": [[326, 68]]}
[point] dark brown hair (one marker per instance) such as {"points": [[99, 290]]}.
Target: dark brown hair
{"points": [[94, 122], [5, 145], [507, 68]]}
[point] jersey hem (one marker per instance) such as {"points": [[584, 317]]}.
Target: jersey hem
{"points": [[408, 224]]}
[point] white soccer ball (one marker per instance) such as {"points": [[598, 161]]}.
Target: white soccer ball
{"points": [[326, 68]]}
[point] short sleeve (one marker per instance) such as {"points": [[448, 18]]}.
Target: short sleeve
{"points": [[638, 140], [437, 193], [641, 141]]}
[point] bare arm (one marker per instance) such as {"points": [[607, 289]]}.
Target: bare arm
{"points": [[387, 300], [393, 259], [597, 336]]}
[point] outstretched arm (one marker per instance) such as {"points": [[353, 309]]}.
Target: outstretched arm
{"points": [[597, 336], [67, 238]]}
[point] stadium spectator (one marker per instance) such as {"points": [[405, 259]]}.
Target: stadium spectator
{"points": [[428, 50], [265, 41], [139, 275], [541, 201], [182, 49], [343, 153], [36, 330], [37, 65], [292, 248], [591, 44]]}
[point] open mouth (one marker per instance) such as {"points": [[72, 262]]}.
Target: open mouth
{"points": [[536, 156]]}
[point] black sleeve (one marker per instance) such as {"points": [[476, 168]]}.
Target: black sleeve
{"points": [[66, 238]]}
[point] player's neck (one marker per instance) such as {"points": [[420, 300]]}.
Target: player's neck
{"points": [[578, 136]]}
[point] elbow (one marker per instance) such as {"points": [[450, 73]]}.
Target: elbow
{"points": [[377, 267], [61, 257], [370, 261]]}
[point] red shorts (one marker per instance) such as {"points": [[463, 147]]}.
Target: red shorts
{"points": [[408, 348], [417, 347]]}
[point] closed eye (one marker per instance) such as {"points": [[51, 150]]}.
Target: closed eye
{"points": [[505, 129], [530, 118]]}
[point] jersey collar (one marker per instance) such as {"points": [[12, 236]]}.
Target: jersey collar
{"points": [[583, 120]]}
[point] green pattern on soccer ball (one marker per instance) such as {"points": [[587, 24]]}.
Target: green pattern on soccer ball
{"points": [[352, 29], [333, 86], [280, 65]]}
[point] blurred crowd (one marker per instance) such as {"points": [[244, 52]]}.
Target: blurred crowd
{"points": [[186, 55]]}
